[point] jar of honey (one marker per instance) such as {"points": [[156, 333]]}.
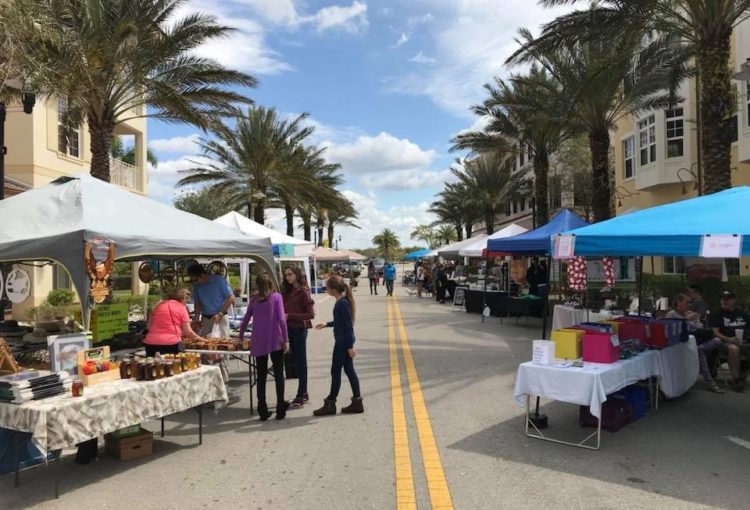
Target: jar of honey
{"points": [[77, 388], [158, 370], [126, 369], [167, 367], [176, 367], [184, 362]]}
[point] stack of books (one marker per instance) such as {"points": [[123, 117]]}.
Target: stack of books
{"points": [[33, 385]]}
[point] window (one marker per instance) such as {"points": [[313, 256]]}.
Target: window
{"points": [[735, 126], [61, 278], [507, 209], [515, 206], [555, 191], [522, 155], [647, 140], [747, 102], [675, 132], [70, 146], [628, 155], [674, 265], [733, 267], [515, 160]]}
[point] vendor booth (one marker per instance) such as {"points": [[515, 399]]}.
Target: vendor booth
{"points": [[416, 255], [55, 223], [323, 255]]}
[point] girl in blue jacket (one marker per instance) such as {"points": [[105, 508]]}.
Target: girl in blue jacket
{"points": [[343, 348]]}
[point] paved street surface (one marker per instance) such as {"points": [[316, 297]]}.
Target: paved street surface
{"points": [[459, 437]]}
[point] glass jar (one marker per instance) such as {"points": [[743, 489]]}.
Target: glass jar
{"points": [[167, 367], [140, 373], [77, 388], [126, 370]]}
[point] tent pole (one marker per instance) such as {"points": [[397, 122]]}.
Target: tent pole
{"points": [[545, 311], [484, 292], [639, 261]]}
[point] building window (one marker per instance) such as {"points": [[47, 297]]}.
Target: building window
{"points": [[675, 132], [515, 206], [522, 155], [674, 265], [734, 128], [72, 145], [747, 102], [628, 155], [647, 140], [61, 278], [507, 209], [555, 191]]}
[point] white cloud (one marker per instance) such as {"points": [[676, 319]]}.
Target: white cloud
{"points": [[402, 40], [381, 153], [421, 58], [400, 180], [470, 40], [478, 125], [351, 18], [176, 145]]}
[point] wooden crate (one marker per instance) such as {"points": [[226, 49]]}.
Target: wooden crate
{"points": [[97, 354], [131, 447]]}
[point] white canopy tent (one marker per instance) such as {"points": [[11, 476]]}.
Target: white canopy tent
{"points": [[452, 250], [476, 248], [323, 254], [287, 248], [55, 221]]}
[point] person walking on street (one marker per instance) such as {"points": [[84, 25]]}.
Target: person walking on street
{"points": [[534, 276], [269, 337], [344, 312], [372, 275], [420, 279], [441, 283], [212, 297], [389, 274], [299, 306]]}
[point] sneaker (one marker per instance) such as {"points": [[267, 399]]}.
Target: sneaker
{"points": [[305, 397], [297, 403]]}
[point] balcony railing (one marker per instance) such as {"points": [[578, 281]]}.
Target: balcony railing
{"points": [[126, 175]]}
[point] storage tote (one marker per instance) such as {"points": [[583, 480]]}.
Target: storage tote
{"points": [[568, 343], [598, 348]]}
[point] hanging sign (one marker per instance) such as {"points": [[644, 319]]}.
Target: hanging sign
{"points": [[99, 255], [721, 246], [18, 286], [564, 247]]}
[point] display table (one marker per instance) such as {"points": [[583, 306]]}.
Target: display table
{"points": [[566, 316], [475, 299], [242, 356], [588, 385], [63, 421], [678, 368]]}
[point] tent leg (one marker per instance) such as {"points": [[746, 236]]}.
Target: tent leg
{"points": [[545, 309], [639, 261], [484, 292]]}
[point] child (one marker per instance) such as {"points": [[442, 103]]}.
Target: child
{"points": [[269, 337], [343, 349]]}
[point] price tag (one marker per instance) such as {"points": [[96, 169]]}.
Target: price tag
{"points": [[721, 246], [615, 339]]}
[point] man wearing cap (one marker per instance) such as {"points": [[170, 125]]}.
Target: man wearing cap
{"points": [[730, 326]]}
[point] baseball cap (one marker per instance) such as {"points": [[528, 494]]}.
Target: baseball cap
{"points": [[728, 295]]}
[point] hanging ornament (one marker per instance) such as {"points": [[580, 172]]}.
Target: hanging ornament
{"points": [[577, 274], [609, 271]]}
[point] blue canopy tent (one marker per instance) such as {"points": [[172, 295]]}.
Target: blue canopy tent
{"points": [[675, 229], [537, 241], [417, 254]]}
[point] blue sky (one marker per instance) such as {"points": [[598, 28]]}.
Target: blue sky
{"points": [[386, 83]]}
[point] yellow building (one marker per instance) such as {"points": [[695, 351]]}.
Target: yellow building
{"points": [[38, 153], [655, 154]]}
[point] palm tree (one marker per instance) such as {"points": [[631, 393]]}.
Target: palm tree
{"points": [[446, 234], [118, 151], [489, 181], [428, 234], [704, 30], [385, 241], [123, 59], [342, 213], [604, 80], [522, 109], [454, 207], [256, 156]]}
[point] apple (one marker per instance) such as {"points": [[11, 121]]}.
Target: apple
{"points": [[89, 369], [105, 365]]}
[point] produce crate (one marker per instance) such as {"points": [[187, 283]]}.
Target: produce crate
{"points": [[133, 430], [132, 447], [97, 354]]}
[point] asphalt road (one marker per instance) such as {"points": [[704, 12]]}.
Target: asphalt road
{"points": [[459, 440]]}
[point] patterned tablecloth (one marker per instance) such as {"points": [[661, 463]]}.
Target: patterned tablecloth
{"points": [[63, 421]]}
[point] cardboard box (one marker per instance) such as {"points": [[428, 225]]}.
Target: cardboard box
{"points": [[132, 447], [567, 343], [600, 347], [133, 430]]}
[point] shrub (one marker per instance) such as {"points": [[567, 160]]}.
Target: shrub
{"points": [[61, 297]]}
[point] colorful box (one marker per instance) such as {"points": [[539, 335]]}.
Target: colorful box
{"points": [[634, 328], [615, 326], [600, 348], [568, 343], [637, 397]]}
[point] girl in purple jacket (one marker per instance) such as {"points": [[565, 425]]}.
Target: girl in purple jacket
{"points": [[268, 338]]}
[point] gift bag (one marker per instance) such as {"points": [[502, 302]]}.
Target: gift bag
{"points": [[215, 331]]}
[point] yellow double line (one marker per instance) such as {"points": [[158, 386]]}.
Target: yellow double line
{"points": [[437, 485]]}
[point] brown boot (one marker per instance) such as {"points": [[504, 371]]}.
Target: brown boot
{"points": [[354, 407], [329, 407]]}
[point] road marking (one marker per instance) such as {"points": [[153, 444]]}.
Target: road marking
{"points": [[406, 498], [437, 485], [738, 441]]}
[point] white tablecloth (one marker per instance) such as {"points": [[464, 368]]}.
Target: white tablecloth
{"points": [[588, 385], [63, 421], [678, 368], [567, 316]]}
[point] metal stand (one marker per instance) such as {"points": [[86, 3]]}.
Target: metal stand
{"points": [[580, 444]]}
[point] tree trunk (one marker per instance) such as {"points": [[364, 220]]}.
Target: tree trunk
{"points": [[320, 231], [489, 221], [306, 226], [717, 104], [541, 194], [599, 145], [330, 235], [101, 141], [249, 211], [289, 211], [469, 227], [260, 211]]}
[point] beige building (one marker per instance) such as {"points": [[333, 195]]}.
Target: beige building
{"points": [[38, 153], [655, 154]]}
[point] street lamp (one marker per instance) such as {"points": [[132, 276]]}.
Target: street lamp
{"points": [[693, 174]]}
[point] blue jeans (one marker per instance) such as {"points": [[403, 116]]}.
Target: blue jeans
{"points": [[298, 346], [341, 359]]}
